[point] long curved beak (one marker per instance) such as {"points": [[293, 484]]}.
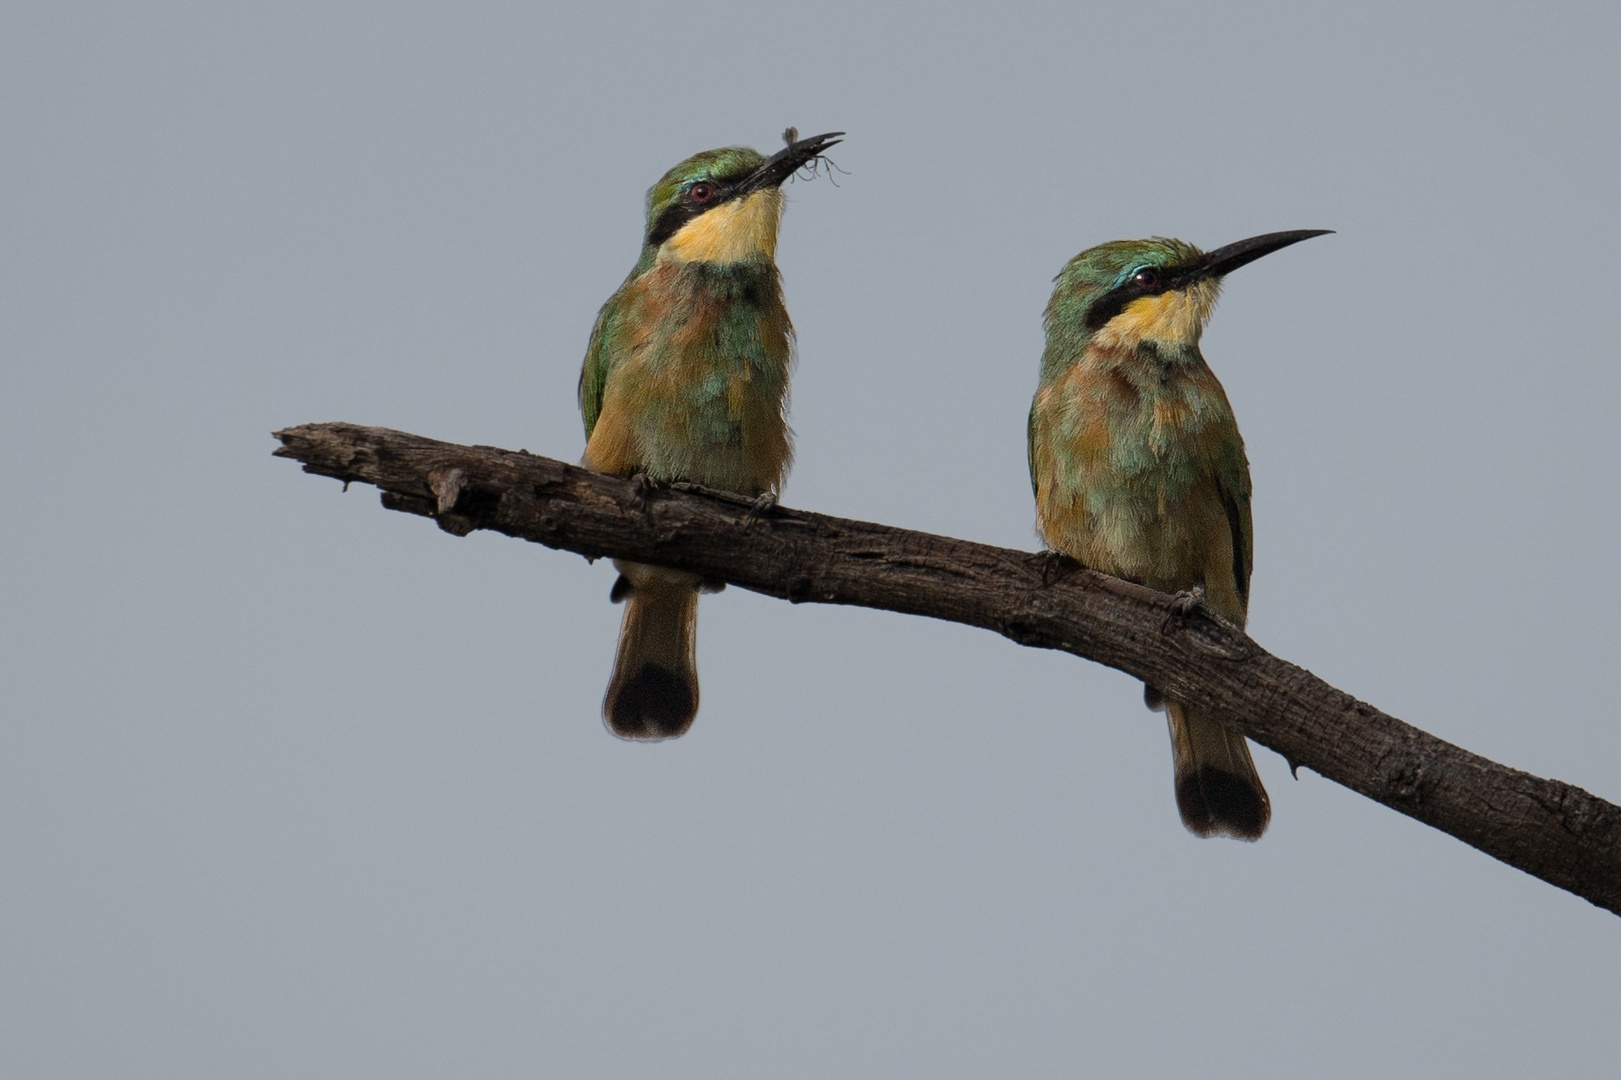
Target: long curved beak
{"points": [[787, 161], [1224, 260]]}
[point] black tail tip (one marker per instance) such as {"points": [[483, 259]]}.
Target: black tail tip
{"points": [[1217, 803], [654, 703]]}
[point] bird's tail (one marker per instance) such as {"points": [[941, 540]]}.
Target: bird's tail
{"points": [[1217, 788], [653, 693]]}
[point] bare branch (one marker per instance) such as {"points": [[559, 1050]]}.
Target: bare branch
{"points": [[1547, 828]]}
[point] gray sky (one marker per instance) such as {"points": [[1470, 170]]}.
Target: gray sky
{"points": [[291, 786]]}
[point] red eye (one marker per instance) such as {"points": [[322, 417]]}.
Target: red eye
{"points": [[700, 192], [1146, 278]]}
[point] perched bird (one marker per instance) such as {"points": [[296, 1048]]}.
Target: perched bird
{"points": [[686, 378], [1139, 470]]}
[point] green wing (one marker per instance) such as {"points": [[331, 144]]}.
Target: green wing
{"points": [[1235, 498], [1030, 448], [594, 372]]}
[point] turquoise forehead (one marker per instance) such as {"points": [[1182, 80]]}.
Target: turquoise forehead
{"points": [[727, 162], [1108, 265]]}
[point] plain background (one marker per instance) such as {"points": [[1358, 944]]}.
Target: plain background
{"points": [[294, 787]]}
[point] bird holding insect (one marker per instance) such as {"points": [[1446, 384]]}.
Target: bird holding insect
{"points": [[686, 379]]}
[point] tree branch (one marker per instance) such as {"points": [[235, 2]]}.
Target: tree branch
{"points": [[1547, 828]]}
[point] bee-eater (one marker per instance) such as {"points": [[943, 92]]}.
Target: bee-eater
{"points": [[686, 379], [1139, 470]]}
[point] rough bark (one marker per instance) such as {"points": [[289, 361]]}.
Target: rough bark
{"points": [[1547, 828]]}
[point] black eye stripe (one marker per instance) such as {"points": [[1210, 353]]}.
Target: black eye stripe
{"points": [[670, 220], [683, 210], [1117, 299]]}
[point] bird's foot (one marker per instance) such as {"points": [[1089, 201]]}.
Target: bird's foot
{"points": [[764, 503], [642, 487], [1184, 605], [1051, 564], [1188, 601]]}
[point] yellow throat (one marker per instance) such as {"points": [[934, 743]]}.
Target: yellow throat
{"points": [[1172, 318], [731, 232]]}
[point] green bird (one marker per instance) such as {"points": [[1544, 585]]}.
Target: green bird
{"points": [[1139, 470], [686, 379]]}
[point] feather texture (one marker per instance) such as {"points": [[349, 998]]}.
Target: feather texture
{"points": [[1139, 471]]}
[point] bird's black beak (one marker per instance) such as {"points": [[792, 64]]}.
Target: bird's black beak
{"points": [[787, 161], [1224, 260]]}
